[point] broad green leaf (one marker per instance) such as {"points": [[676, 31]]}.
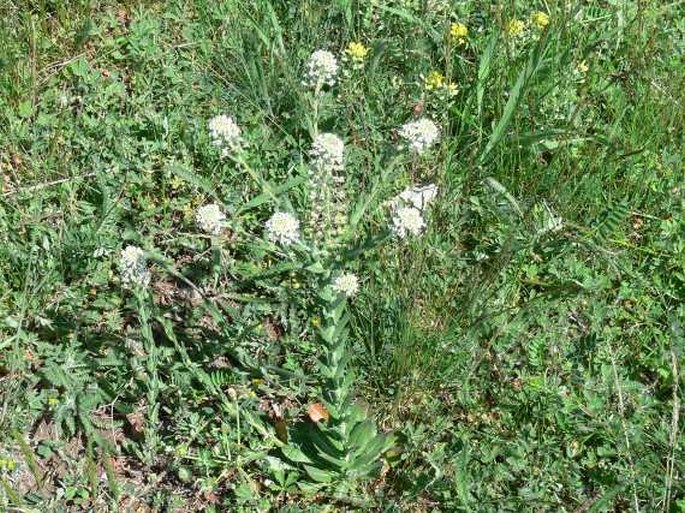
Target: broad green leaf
{"points": [[362, 434], [295, 454], [321, 476]]}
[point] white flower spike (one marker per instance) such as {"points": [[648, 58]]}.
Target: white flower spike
{"points": [[419, 197], [327, 152], [225, 134]]}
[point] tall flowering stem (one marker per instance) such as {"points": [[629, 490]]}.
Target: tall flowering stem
{"points": [[321, 71], [342, 445]]}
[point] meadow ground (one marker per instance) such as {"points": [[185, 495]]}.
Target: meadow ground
{"points": [[516, 345]]}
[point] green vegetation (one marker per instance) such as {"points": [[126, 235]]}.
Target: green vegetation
{"points": [[522, 353]]}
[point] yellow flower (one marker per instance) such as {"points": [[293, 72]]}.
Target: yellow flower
{"points": [[357, 52], [515, 28], [459, 32], [434, 80], [452, 89], [582, 67], [541, 19]]}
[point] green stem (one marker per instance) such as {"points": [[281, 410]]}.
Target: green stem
{"points": [[152, 381]]}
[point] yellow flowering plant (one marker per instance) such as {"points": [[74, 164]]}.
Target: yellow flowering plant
{"points": [[515, 28], [459, 32], [356, 52], [436, 83], [540, 19], [452, 89], [434, 80]]}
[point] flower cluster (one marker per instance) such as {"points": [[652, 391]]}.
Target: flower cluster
{"points": [[407, 221], [327, 197], [540, 19], [327, 152], [435, 81], [356, 52], [580, 71], [8, 464], [408, 208], [518, 30], [419, 197], [225, 134], [283, 228], [459, 32], [210, 219], [515, 28], [322, 68], [420, 134], [347, 284], [133, 264]]}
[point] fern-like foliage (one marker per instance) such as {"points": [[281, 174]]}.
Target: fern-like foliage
{"points": [[80, 394], [608, 222]]}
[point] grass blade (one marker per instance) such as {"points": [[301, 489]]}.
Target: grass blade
{"points": [[515, 96]]}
